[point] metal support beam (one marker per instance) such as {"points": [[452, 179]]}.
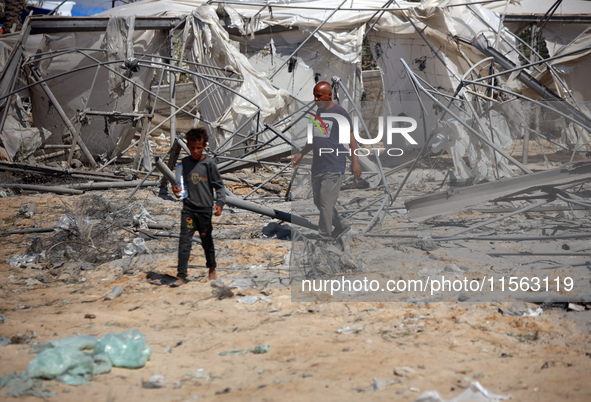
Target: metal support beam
{"points": [[13, 63], [48, 24], [76, 140], [480, 43], [456, 199]]}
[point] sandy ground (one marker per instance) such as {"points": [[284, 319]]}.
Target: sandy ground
{"points": [[394, 351]]}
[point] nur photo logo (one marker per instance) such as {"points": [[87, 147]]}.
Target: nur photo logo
{"points": [[388, 127]]}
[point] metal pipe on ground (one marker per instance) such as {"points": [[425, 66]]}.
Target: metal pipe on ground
{"points": [[483, 238], [26, 231], [110, 185], [45, 189], [231, 199], [535, 254]]}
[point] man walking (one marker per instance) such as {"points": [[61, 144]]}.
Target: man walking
{"points": [[329, 161]]}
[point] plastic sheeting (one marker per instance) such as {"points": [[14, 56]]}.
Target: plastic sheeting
{"points": [[457, 141], [71, 78], [560, 38], [264, 36], [432, 54], [64, 359], [210, 44]]}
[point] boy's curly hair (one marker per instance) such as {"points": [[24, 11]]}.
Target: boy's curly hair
{"points": [[197, 134]]}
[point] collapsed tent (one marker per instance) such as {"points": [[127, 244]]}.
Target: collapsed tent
{"points": [[451, 66]]}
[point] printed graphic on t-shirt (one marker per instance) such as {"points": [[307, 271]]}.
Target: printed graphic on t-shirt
{"points": [[320, 131], [195, 178]]}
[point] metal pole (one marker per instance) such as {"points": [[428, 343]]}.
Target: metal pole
{"points": [[75, 133], [110, 185], [273, 213], [134, 143], [462, 122], [500, 218], [487, 238], [527, 253], [141, 183], [172, 92], [541, 104], [49, 189], [268, 180]]}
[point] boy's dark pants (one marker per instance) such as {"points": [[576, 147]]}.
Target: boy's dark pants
{"points": [[192, 221]]}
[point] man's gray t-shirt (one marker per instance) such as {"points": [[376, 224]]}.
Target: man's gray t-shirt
{"points": [[335, 160]]}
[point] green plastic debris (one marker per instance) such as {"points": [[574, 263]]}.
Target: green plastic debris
{"points": [[78, 342], [127, 349], [64, 364], [233, 352], [2, 318], [259, 349], [4, 341], [68, 365], [64, 360], [18, 384], [102, 364]]}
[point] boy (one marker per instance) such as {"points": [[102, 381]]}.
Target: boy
{"points": [[201, 178]]}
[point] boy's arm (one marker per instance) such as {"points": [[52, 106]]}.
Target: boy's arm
{"points": [[218, 185]]}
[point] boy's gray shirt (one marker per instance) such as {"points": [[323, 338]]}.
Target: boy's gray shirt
{"points": [[202, 178]]}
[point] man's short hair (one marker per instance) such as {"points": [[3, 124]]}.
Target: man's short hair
{"points": [[197, 134]]}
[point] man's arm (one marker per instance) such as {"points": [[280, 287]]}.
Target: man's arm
{"points": [[355, 166], [295, 162]]}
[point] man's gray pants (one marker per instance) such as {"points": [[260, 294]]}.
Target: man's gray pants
{"points": [[326, 187]]}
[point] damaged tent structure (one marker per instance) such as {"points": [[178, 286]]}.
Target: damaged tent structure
{"points": [[475, 89]]}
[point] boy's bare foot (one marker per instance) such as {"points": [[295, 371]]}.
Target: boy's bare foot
{"points": [[212, 275], [178, 283]]}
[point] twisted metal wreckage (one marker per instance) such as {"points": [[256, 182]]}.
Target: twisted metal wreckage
{"points": [[475, 88]]}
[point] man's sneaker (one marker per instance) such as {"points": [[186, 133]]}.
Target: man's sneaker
{"points": [[338, 233]]}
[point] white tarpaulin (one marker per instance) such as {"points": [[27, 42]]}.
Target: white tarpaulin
{"points": [[80, 85], [210, 45], [259, 53]]}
